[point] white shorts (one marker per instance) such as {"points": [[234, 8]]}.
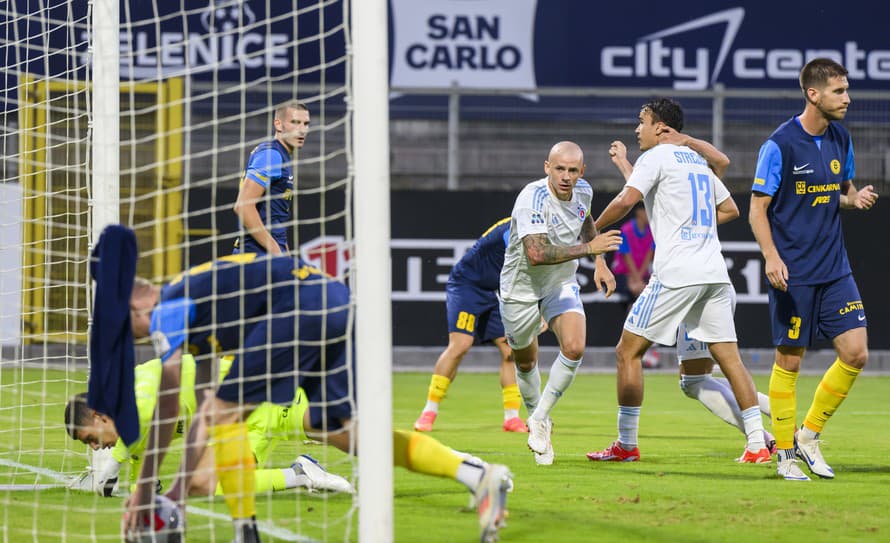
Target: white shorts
{"points": [[522, 320], [691, 349], [705, 309]]}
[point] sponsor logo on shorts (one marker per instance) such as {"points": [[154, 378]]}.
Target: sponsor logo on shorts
{"points": [[852, 306]]}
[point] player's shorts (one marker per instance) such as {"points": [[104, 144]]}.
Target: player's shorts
{"points": [[522, 320], [805, 313], [264, 369], [270, 423], [706, 309], [692, 349], [472, 310]]}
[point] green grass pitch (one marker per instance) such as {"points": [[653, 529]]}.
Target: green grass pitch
{"points": [[686, 488]]}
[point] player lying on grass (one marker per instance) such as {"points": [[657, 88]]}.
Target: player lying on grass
{"points": [[267, 425], [288, 325]]}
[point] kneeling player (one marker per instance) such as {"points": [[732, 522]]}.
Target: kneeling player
{"points": [[267, 425]]}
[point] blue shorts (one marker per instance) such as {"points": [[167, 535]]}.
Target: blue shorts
{"points": [[806, 313], [472, 310]]}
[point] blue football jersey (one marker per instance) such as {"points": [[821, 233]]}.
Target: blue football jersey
{"points": [[804, 175], [482, 263], [269, 167]]}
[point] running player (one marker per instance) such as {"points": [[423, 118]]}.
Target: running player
{"points": [[471, 304], [538, 281]]}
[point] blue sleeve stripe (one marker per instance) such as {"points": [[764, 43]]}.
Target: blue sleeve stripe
{"points": [[538, 199], [849, 165], [768, 175]]}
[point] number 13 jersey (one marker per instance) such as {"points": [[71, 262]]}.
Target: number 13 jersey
{"points": [[681, 195]]}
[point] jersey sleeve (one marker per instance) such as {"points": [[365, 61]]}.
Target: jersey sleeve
{"points": [[768, 175], [169, 322], [528, 212], [645, 174], [264, 165], [721, 193]]}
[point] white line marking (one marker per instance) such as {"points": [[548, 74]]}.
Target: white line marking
{"points": [[265, 527]]}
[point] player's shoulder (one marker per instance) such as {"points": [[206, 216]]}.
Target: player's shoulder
{"points": [[533, 194], [267, 152], [837, 130], [583, 187]]}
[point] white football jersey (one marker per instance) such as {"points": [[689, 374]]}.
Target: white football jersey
{"points": [[681, 195], [538, 211]]}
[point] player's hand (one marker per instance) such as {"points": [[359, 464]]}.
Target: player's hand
{"points": [[136, 507], [865, 197], [777, 273], [604, 243], [603, 278], [618, 152], [666, 134]]}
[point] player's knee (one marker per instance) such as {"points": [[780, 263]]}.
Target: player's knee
{"points": [[690, 385], [573, 350], [202, 483], [857, 358]]}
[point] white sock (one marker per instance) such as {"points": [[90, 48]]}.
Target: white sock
{"points": [[529, 387], [470, 474], [628, 426], [292, 480], [805, 434], [562, 373], [716, 395], [431, 406], [762, 398], [753, 428], [511, 414]]}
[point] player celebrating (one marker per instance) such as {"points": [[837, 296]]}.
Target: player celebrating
{"points": [[267, 425], [689, 284], [472, 306], [804, 177], [255, 307], [264, 199], [538, 280], [694, 357]]}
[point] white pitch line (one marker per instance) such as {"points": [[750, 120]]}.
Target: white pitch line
{"points": [[265, 527]]}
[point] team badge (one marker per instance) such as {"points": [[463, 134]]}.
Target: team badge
{"points": [[835, 166], [800, 187]]}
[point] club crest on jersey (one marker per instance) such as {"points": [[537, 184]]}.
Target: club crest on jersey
{"points": [[835, 166], [800, 187], [582, 212]]}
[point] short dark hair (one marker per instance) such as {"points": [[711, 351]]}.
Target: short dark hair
{"points": [[818, 71], [77, 414], [666, 111]]}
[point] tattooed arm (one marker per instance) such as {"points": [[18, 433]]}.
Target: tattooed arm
{"points": [[539, 250]]}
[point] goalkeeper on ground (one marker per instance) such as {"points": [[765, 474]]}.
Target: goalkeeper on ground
{"points": [[267, 425]]}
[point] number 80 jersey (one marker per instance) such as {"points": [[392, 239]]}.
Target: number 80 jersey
{"points": [[681, 195]]}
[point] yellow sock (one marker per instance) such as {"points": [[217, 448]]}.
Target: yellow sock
{"points": [[235, 468], [266, 480], [783, 405], [512, 397], [438, 388], [833, 388], [421, 453]]}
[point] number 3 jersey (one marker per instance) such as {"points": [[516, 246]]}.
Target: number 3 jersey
{"points": [[681, 195]]}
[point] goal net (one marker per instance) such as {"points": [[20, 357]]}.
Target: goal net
{"points": [[160, 146]]}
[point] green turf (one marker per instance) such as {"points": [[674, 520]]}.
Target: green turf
{"points": [[686, 488]]}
